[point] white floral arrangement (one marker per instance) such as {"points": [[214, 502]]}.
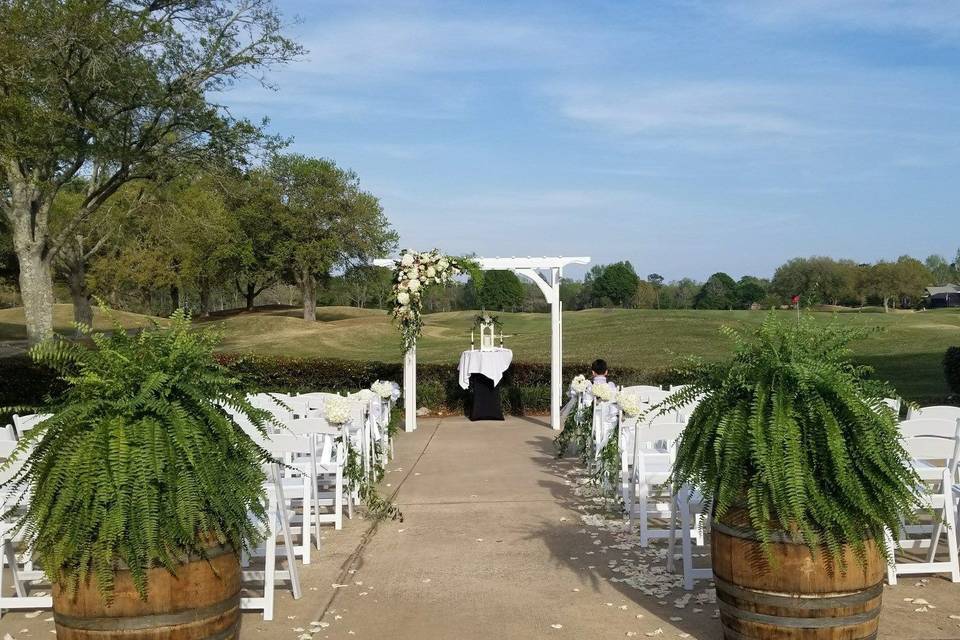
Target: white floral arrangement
{"points": [[579, 384], [382, 388], [412, 273], [604, 392], [630, 404], [337, 409]]}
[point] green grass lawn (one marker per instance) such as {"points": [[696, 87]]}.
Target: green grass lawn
{"points": [[908, 351], [12, 323]]}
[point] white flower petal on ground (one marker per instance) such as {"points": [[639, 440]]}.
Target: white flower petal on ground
{"points": [[556, 626]]}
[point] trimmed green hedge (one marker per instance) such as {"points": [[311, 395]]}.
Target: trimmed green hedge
{"points": [[951, 369], [525, 388]]}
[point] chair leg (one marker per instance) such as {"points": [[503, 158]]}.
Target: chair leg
{"points": [[11, 556], [642, 503], [349, 492], [686, 545], [891, 552], [338, 500], [270, 561], [672, 536], [950, 515], [306, 522]]}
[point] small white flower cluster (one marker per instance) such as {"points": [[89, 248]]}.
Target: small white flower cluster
{"points": [[579, 384], [382, 388], [604, 392], [631, 404], [415, 271], [337, 410]]}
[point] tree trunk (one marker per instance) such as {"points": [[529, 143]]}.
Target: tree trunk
{"points": [[79, 294], [36, 290], [308, 286], [174, 297], [251, 295], [204, 298], [30, 243]]}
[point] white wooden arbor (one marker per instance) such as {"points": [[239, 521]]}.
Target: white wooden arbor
{"points": [[545, 272]]}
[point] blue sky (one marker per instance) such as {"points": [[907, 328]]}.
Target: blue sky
{"points": [[687, 137]]}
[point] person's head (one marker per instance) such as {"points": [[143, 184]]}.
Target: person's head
{"points": [[599, 367]]}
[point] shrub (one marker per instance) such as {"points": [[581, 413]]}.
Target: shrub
{"points": [[525, 388], [951, 369]]}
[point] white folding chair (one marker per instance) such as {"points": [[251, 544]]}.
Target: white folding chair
{"points": [[326, 466], [654, 452], [935, 460], [23, 424], [278, 523], [942, 412], [20, 565]]}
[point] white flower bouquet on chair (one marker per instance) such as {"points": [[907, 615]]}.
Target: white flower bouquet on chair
{"points": [[337, 410]]}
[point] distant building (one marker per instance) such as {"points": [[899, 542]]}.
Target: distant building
{"points": [[946, 296]]}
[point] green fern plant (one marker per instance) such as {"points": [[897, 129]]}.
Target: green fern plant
{"points": [[797, 436], [138, 464]]}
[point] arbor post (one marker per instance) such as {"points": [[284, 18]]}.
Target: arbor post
{"points": [[410, 389]]}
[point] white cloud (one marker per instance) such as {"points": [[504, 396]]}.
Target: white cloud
{"points": [[685, 109], [936, 17], [381, 47]]}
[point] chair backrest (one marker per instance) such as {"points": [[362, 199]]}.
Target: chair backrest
{"points": [[312, 425], [282, 407], [941, 412], [940, 428], [7, 433], [647, 393], [283, 444], [894, 404], [667, 432], [22, 424], [932, 454]]}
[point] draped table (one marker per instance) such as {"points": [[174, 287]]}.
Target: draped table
{"points": [[483, 371]]}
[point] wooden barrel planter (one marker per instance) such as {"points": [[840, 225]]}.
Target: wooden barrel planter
{"points": [[801, 597], [202, 602]]}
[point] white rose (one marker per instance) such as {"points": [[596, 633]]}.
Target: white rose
{"points": [[407, 259], [442, 265], [404, 309], [414, 285], [403, 298], [431, 272], [412, 274]]}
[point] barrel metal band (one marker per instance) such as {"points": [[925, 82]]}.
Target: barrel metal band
{"points": [[731, 634], [148, 621], [813, 601], [797, 623]]}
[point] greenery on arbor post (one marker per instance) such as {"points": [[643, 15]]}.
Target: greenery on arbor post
{"points": [[115, 91], [798, 436]]}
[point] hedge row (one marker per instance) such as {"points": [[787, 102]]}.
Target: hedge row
{"points": [[951, 369], [525, 387]]}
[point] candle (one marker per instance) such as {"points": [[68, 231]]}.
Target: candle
{"points": [[471, 339]]}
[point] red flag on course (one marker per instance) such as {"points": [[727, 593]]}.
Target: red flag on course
{"points": [[795, 299]]}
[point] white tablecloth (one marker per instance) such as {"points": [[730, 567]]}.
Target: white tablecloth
{"points": [[491, 364]]}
